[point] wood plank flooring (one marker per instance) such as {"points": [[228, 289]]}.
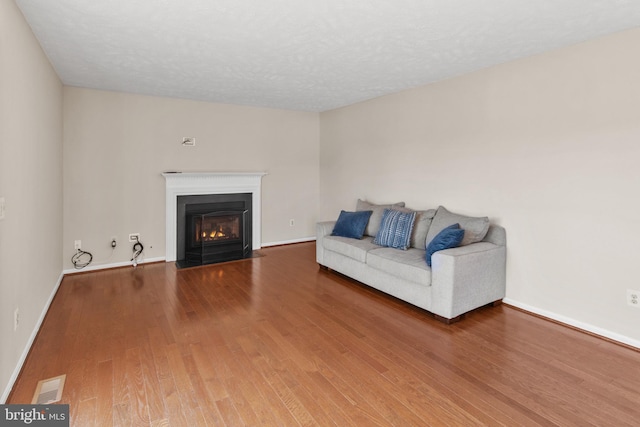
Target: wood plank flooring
{"points": [[276, 341]]}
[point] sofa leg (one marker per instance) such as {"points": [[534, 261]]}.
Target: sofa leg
{"points": [[448, 321], [323, 267], [458, 318]]}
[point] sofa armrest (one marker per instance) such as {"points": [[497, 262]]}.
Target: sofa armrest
{"points": [[322, 229], [467, 277]]}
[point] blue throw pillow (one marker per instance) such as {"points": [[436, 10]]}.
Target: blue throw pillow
{"points": [[395, 229], [351, 224], [449, 237]]}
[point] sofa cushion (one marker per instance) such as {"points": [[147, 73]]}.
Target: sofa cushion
{"points": [[352, 248], [420, 228], [376, 217], [351, 224], [395, 229], [475, 228], [448, 238], [408, 265]]}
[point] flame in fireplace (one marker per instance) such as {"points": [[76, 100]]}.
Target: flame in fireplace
{"points": [[213, 235]]}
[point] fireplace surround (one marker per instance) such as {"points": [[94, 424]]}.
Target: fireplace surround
{"points": [[208, 183]]}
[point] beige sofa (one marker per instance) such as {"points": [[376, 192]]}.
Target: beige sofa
{"points": [[460, 279]]}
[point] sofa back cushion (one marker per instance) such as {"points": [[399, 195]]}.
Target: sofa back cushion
{"points": [[475, 228], [376, 217], [421, 228]]}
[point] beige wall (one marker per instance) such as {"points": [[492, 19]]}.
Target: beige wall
{"points": [[117, 145], [548, 147], [30, 182]]}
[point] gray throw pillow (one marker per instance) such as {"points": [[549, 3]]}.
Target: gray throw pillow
{"points": [[475, 228], [376, 217], [421, 227]]}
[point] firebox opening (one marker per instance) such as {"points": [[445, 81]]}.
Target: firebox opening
{"points": [[213, 228]]}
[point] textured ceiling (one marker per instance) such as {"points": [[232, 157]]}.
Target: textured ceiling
{"points": [[310, 55]]}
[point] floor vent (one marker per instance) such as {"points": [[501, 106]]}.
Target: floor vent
{"points": [[49, 391]]}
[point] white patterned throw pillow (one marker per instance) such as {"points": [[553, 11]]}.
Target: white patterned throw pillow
{"points": [[395, 229]]}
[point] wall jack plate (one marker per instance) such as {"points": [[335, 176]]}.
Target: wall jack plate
{"points": [[633, 298], [188, 141]]}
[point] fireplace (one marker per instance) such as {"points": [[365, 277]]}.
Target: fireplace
{"points": [[213, 228], [179, 184]]}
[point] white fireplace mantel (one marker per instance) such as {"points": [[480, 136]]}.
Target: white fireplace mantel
{"points": [[195, 183]]}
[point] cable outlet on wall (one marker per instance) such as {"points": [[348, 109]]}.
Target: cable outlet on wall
{"points": [[188, 141], [16, 318], [77, 245], [292, 222], [134, 237], [633, 298], [114, 242]]}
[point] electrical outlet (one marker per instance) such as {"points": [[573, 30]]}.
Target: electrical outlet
{"points": [[77, 244], [134, 237], [2, 207], [292, 223], [633, 298], [16, 319]]}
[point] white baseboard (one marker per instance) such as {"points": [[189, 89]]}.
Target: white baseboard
{"points": [[289, 242], [575, 323], [27, 348], [112, 265]]}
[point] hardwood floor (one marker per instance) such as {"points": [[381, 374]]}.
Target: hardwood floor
{"points": [[274, 340]]}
